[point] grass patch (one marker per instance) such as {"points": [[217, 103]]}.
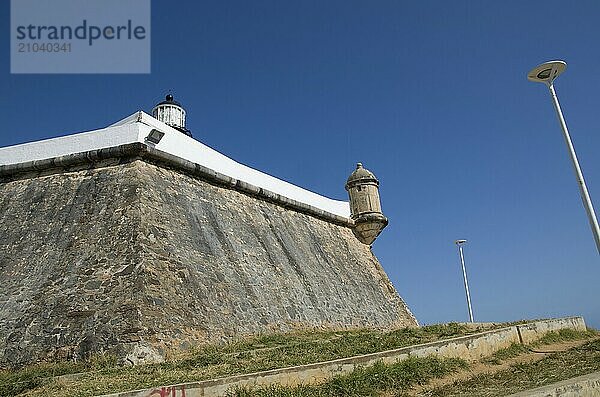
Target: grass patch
{"points": [[102, 376], [564, 335], [524, 376], [514, 350], [365, 381], [16, 382]]}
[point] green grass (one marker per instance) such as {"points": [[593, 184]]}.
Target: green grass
{"points": [[517, 349], [564, 335], [103, 375], [367, 381], [498, 357], [396, 379], [16, 382], [553, 368]]}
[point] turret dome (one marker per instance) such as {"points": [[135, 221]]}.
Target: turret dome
{"points": [[169, 100], [360, 175]]}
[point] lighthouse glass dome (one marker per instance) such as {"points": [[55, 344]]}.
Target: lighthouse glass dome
{"points": [[171, 113]]}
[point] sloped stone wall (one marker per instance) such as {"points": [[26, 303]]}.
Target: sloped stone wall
{"points": [[139, 260], [68, 244]]}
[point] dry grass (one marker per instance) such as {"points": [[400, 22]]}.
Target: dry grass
{"points": [[402, 378], [368, 381], [520, 376], [103, 375]]}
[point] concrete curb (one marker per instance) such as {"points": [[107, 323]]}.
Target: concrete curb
{"points": [[582, 386], [470, 348]]}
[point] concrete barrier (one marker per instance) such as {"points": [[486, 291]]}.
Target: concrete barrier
{"points": [[470, 347], [530, 332], [582, 386]]}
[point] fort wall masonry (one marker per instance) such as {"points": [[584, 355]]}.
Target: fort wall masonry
{"points": [[138, 253]]}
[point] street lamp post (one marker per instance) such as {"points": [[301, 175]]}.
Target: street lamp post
{"points": [[460, 243], [546, 73]]}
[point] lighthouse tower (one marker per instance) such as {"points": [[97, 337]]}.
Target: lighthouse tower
{"points": [[365, 207], [171, 113]]}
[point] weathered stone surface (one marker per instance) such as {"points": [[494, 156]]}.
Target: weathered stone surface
{"points": [[139, 260]]}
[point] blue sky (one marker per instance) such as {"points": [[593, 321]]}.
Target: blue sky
{"points": [[431, 96]]}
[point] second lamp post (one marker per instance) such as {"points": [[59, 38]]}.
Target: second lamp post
{"points": [[460, 244]]}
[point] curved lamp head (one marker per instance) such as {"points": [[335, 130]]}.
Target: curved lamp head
{"points": [[547, 72], [460, 242]]}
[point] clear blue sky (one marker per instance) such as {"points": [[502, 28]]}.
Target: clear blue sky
{"points": [[430, 96]]}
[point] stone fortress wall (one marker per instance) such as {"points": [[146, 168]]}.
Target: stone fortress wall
{"points": [[137, 253]]}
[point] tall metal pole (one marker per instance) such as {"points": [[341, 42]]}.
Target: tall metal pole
{"points": [[585, 196], [462, 262]]}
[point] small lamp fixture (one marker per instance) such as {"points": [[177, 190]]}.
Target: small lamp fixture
{"points": [[546, 72], [155, 136]]}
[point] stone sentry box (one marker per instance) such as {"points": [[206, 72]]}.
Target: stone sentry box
{"points": [[365, 206]]}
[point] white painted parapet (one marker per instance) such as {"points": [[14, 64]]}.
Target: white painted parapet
{"points": [[137, 127]]}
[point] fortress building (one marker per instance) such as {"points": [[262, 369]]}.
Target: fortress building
{"points": [[138, 240]]}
